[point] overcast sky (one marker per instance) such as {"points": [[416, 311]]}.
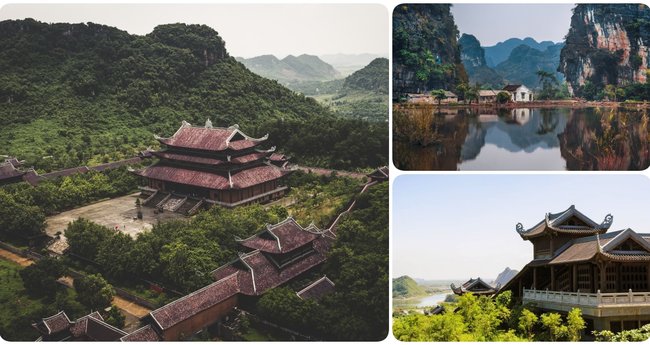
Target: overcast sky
{"points": [[249, 30], [463, 226], [494, 23]]}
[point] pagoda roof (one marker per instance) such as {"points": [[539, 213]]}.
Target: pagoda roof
{"points": [[54, 324], [257, 273], [240, 179], [477, 286], [282, 237], [93, 326], [146, 333], [187, 158], [196, 302], [317, 289], [556, 223], [607, 246], [210, 138], [8, 170]]}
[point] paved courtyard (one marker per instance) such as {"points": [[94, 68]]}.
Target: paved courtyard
{"points": [[118, 213]]}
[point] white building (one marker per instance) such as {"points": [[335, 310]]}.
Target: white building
{"points": [[519, 93]]}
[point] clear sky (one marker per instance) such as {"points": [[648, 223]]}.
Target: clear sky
{"points": [[249, 30], [463, 226], [494, 23]]}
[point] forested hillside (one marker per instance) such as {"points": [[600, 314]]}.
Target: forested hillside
{"points": [[363, 94], [73, 94]]}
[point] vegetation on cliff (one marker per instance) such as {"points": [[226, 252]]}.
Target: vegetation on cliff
{"points": [[426, 54]]}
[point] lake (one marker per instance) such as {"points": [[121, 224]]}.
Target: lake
{"points": [[421, 302], [457, 138]]}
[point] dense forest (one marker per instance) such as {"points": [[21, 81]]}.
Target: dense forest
{"points": [[75, 94]]}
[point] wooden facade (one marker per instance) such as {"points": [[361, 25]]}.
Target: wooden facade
{"points": [[578, 263]]}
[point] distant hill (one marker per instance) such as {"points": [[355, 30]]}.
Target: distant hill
{"points": [[291, 69], [373, 77], [405, 286], [499, 52], [523, 63], [505, 276], [348, 63]]}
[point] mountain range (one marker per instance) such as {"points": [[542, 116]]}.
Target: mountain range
{"points": [[514, 61], [292, 68]]}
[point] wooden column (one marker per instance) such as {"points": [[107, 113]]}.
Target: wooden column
{"points": [[602, 267], [647, 276], [552, 278], [535, 278], [574, 277]]}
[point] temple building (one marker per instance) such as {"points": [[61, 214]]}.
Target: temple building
{"points": [[222, 166], [475, 286], [577, 263], [91, 327], [276, 255]]}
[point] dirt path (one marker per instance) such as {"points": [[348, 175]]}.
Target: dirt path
{"points": [[5, 254], [130, 307]]}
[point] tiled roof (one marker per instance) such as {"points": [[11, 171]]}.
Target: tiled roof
{"points": [[379, 173], [8, 170], [555, 222], [92, 326], [276, 157], [187, 158], [317, 289], [257, 273], [57, 323], [66, 172], [487, 93], [210, 139], [200, 300], [512, 87], [282, 237], [242, 179], [146, 333]]}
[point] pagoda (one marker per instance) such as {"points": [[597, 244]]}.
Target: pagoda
{"points": [[475, 286], [222, 166], [577, 263]]}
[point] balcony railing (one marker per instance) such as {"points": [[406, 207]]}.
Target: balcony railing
{"points": [[597, 299]]}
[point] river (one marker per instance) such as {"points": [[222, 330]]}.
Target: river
{"points": [[421, 302], [457, 138]]}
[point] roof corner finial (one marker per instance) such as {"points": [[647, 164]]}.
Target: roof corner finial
{"points": [[607, 222], [572, 206], [520, 227], [208, 123]]}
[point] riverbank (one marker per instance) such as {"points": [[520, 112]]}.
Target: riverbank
{"points": [[569, 103], [418, 302]]}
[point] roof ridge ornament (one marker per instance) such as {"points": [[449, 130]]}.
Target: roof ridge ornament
{"points": [[607, 222], [520, 228], [208, 123]]}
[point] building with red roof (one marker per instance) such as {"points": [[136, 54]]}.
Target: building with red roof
{"points": [[221, 165]]}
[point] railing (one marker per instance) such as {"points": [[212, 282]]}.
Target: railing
{"points": [[597, 299]]}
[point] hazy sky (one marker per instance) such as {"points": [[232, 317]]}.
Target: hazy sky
{"points": [[494, 23], [249, 30], [462, 226]]}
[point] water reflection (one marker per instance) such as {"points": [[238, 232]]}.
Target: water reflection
{"points": [[521, 139]]}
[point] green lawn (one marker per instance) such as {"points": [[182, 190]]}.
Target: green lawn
{"points": [[16, 308]]}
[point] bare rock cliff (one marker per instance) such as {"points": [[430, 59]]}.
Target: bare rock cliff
{"points": [[606, 44]]}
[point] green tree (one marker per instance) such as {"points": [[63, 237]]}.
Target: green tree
{"points": [[575, 324], [553, 323], [18, 220], [115, 318], [462, 89], [527, 322], [94, 291], [438, 94], [187, 267], [113, 256], [40, 278], [503, 97], [85, 237]]}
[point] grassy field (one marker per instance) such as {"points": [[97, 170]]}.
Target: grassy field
{"points": [[18, 309]]}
